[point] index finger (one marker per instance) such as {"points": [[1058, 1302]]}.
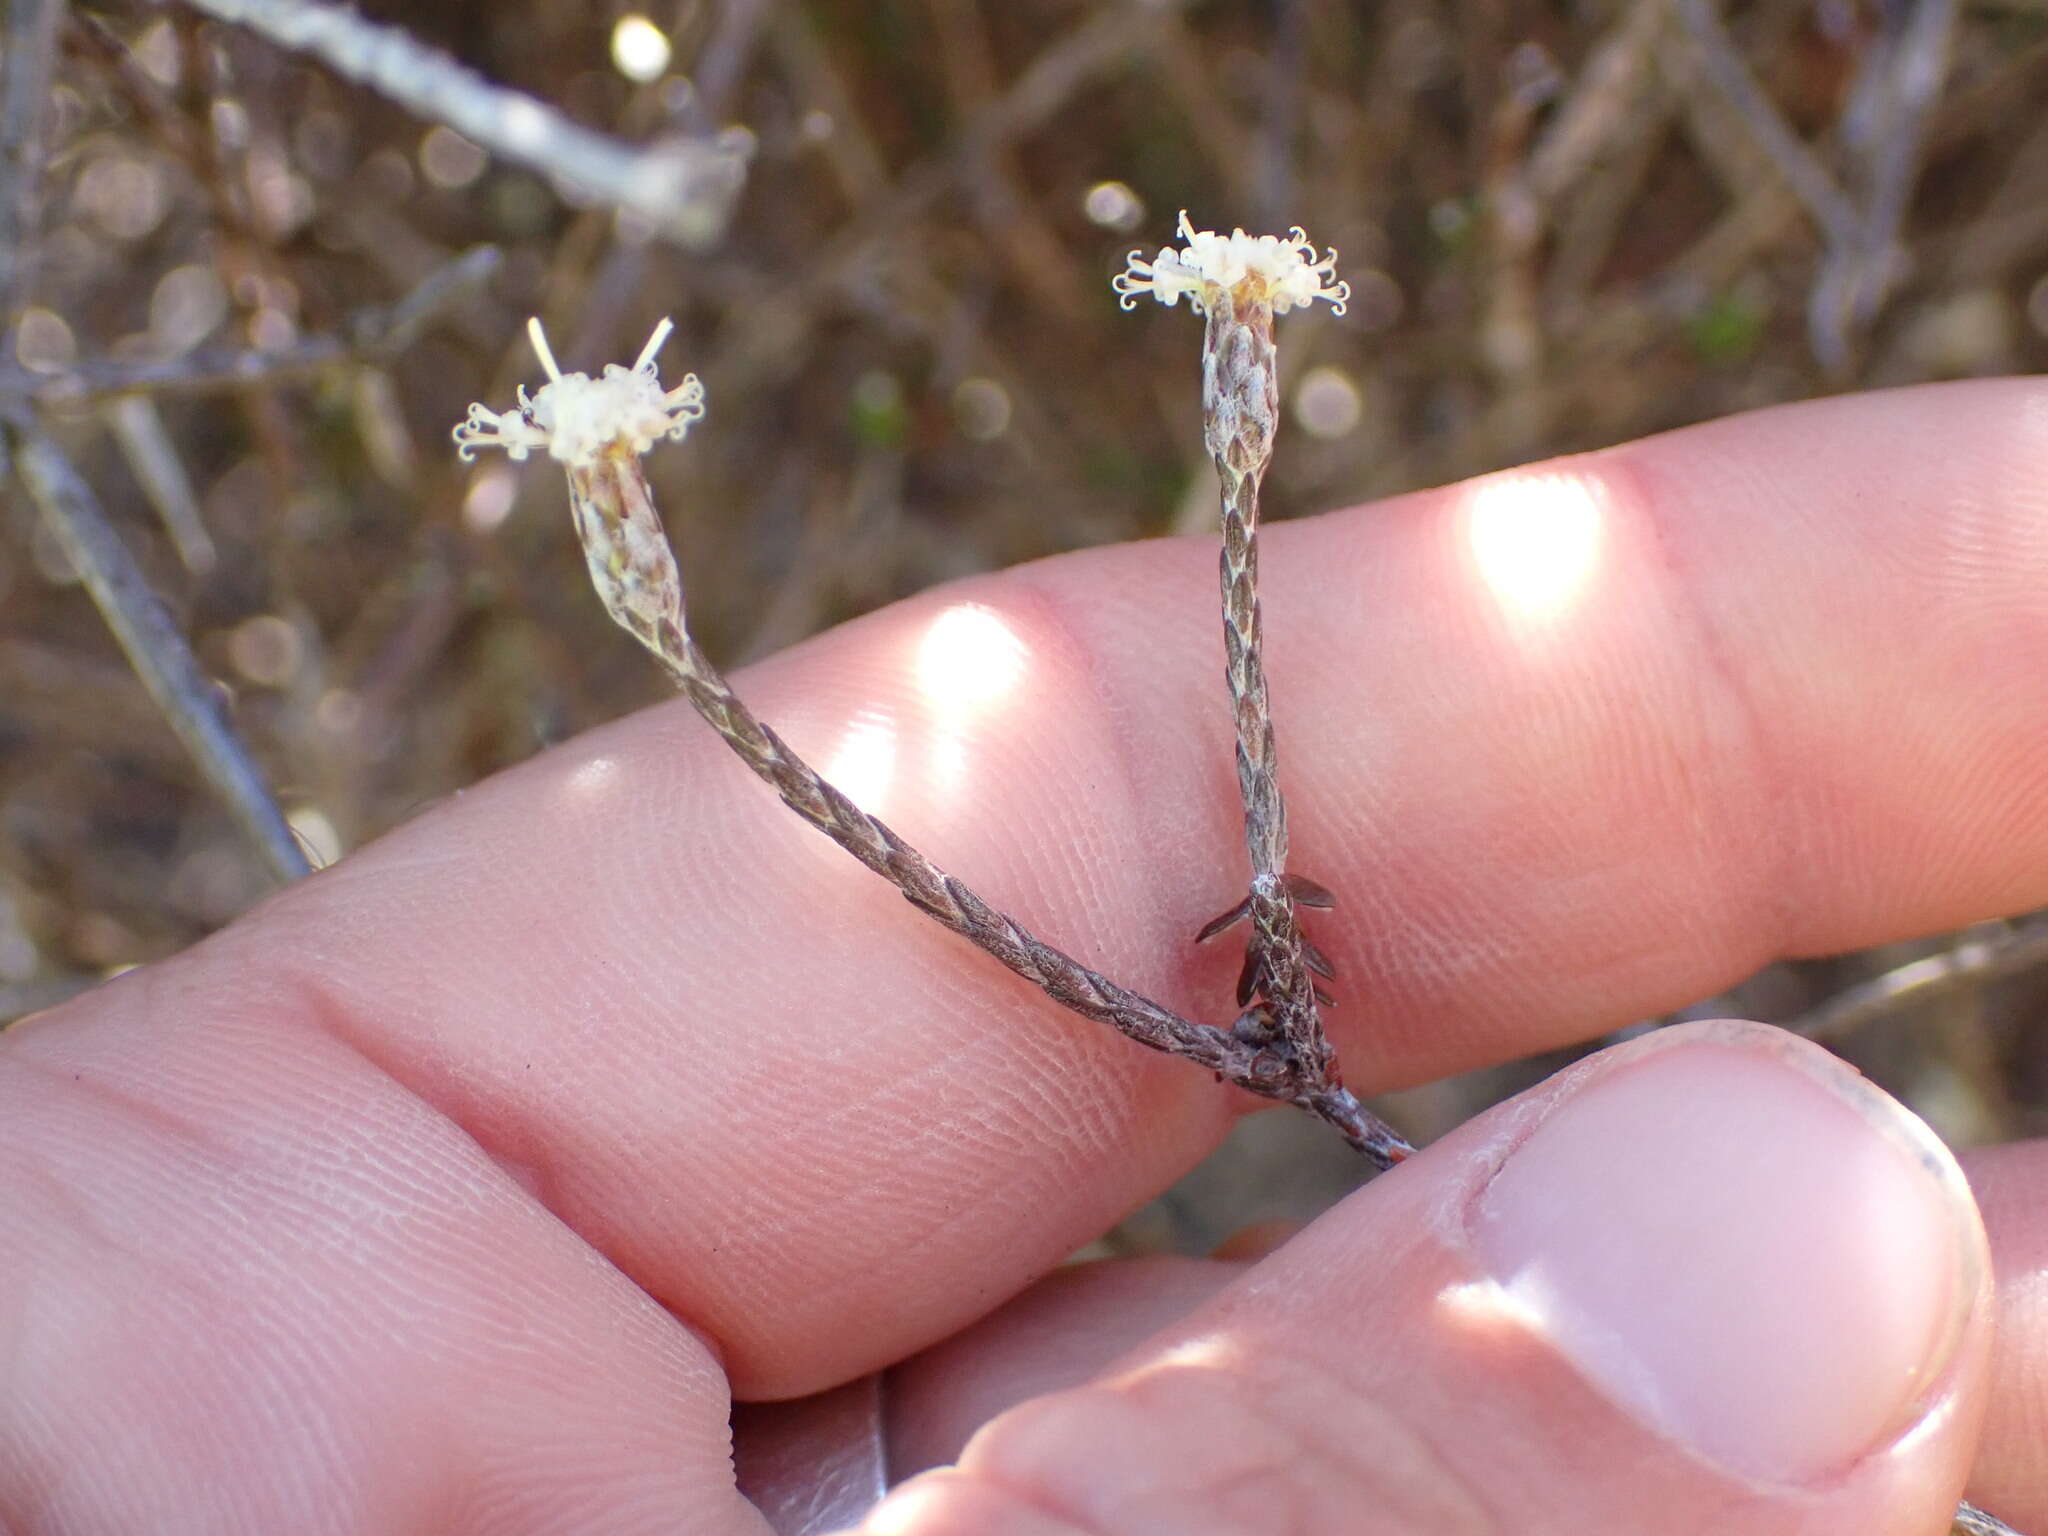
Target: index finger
{"points": [[1572, 745]]}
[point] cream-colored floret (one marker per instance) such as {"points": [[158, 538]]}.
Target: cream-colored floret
{"points": [[1284, 273], [577, 419]]}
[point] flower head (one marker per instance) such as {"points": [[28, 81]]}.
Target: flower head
{"points": [[1283, 273], [578, 419]]}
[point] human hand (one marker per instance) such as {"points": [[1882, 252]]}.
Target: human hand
{"points": [[455, 1190]]}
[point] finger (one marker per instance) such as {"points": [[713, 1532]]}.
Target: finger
{"points": [[2010, 1478], [1060, 1332], [826, 1133], [1711, 1280], [250, 1285], [1074, 1323]]}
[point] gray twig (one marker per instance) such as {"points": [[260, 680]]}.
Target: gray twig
{"points": [[1725, 70], [1106, 40], [24, 95], [371, 335], [154, 646], [1884, 130], [1972, 1521], [1986, 955], [684, 187], [1240, 282], [139, 432], [1597, 106]]}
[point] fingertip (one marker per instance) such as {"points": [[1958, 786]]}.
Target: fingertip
{"points": [[1743, 1243], [948, 1502], [1713, 1274]]}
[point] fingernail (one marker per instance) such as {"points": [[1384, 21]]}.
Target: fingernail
{"points": [[1743, 1243]]}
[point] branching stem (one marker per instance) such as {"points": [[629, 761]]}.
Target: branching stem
{"points": [[1241, 403], [597, 429], [634, 570]]}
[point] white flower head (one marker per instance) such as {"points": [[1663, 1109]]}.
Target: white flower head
{"points": [[578, 419], [1283, 273]]}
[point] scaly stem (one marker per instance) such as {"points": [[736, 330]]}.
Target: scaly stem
{"points": [[635, 573], [1241, 402]]}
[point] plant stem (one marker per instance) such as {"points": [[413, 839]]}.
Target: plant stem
{"points": [[153, 644], [1241, 402], [635, 573]]}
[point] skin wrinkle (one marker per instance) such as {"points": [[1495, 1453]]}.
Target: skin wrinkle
{"points": [[287, 1195], [531, 1180], [1271, 1396], [975, 1488], [1688, 647], [1458, 1507], [1769, 874], [1030, 1493], [1195, 978], [1456, 894], [160, 1120], [1053, 896], [174, 1280]]}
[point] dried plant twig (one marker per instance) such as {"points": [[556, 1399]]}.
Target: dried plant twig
{"points": [[597, 429], [138, 431], [1972, 1521], [372, 335], [31, 52], [1980, 956], [1884, 137], [1241, 282], [153, 645], [684, 186], [1883, 133], [1811, 182]]}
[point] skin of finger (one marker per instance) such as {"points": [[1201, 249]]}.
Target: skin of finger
{"points": [[251, 1284], [2011, 1474], [826, 1134], [1357, 1370], [1074, 1323], [1057, 1334]]}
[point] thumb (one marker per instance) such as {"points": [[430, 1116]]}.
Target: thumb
{"points": [[1711, 1280]]}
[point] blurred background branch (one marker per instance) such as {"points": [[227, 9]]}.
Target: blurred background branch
{"points": [[152, 644], [682, 186], [31, 50]]}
